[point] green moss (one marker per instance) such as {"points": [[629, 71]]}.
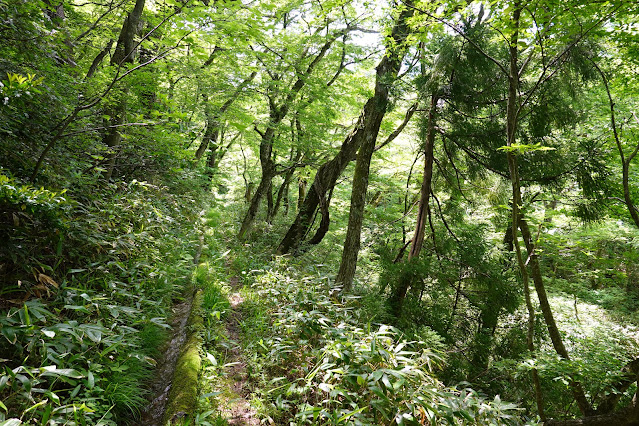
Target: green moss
{"points": [[183, 397]]}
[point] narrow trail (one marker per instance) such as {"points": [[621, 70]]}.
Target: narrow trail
{"points": [[237, 409]]}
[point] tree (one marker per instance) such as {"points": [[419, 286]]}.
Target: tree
{"points": [[124, 53], [626, 159], [286, 81], [515, 104], [365, 132]]}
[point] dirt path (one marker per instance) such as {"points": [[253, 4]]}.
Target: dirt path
{"points": [[237, 410]]}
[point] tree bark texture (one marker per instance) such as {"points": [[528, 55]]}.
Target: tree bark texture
{"points": [[424, 202], [125, 47], [530, 330], [365, 130], [268, 173], [348, 264], [282, 193]]}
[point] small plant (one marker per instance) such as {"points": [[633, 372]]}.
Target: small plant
{"points": [[16, 85], [318, 361], [82, 351]]}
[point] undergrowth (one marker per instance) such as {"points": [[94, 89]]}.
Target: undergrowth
{"points": [[85, 298], [315, 357]]}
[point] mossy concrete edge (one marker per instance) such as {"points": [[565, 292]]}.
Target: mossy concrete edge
{"points": [[183, 396]]}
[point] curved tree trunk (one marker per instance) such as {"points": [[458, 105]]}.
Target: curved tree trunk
{"points": [[365, 131], [518, 218], [625, 161], [386, 72]]}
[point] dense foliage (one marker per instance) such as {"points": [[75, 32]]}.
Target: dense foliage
{"points": [[395, 213]]}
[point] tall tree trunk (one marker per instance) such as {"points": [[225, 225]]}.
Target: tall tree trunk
{"points": [[214, 137], [212, 126], [424, 202], [264, 187], [365, 130], [530, 332], [348, 264], [282, 193], [399, 291], [270, 206], [325, 222], [518, 218], [113, 137], [544, 304], [386, 72], [212, 160], [124, 53]]}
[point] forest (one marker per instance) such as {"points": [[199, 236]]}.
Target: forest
{"points": [[326, 212]]}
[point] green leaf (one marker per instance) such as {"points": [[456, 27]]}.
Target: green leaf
{"points": [[94, 335], [90, 380], [53, 397], [10, 334], [325, 387], [211, 359], [75, 391], [52, 370], [519, 148]]}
